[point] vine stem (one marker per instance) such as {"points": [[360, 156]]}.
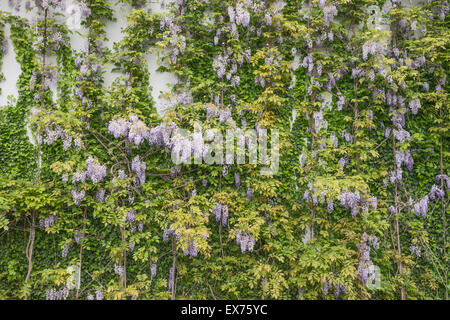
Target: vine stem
{"points": [[81, 251], [30, 246], [174, 265], [32, 236], [397, 227], [444, 219]]}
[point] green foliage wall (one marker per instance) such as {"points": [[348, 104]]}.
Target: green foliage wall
{"points": [[362, 111]]}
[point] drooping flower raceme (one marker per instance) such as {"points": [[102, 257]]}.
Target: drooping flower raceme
{"points": [[95, 171], [138, 166], [245, 240]]}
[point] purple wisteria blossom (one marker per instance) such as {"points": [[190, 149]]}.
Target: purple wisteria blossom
{"points": [[119, 270], [118, 128], [436, 193], [245, 240], [48, 221], [78, 196], [415, 250], [421, 207], [139, 167], [95, 171], [445, 178]]}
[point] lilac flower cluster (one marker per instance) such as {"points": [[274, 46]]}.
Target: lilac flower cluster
{"points": [[309, 196], [338, 288], [54, 294], [436, 193], [100, 195], [225, 171], [357, 73], [57, 39], [153, 269], [191, 249], [415, 250], [330, 206], [139, 167], [392, 210], [334, 140], [340, 103], [347, 136], [393, 99], [79, 177], [421, 207], [372, 239], [365, 265], [131, 215], [237, 180], [45, 4], [118, 128], [78, 196], [135, 129], [373, 48], [401, 135], [48, 221], [168, 232], [326, 286], [267, 19], [261, 81], [119, 270], [160, 135], [95, 171], [357, 202], [319, 121], [51, 135], [396, 175], [308, 63], [350, 200], [245, 240], [414, 105], [242, 16], [221, 213], [138, 131], [65, 250], [444, 178], [182, 147], [329, 12], [442, 10], [98, 295], [177, 42], [171, 280], [220, 64], [223, 114], [343, 162], [404, 158]]}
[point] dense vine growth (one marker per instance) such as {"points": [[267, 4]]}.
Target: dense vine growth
{"points": [[92, 205]]}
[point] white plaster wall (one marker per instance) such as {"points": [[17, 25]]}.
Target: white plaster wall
{"points": [[160, 82]]}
